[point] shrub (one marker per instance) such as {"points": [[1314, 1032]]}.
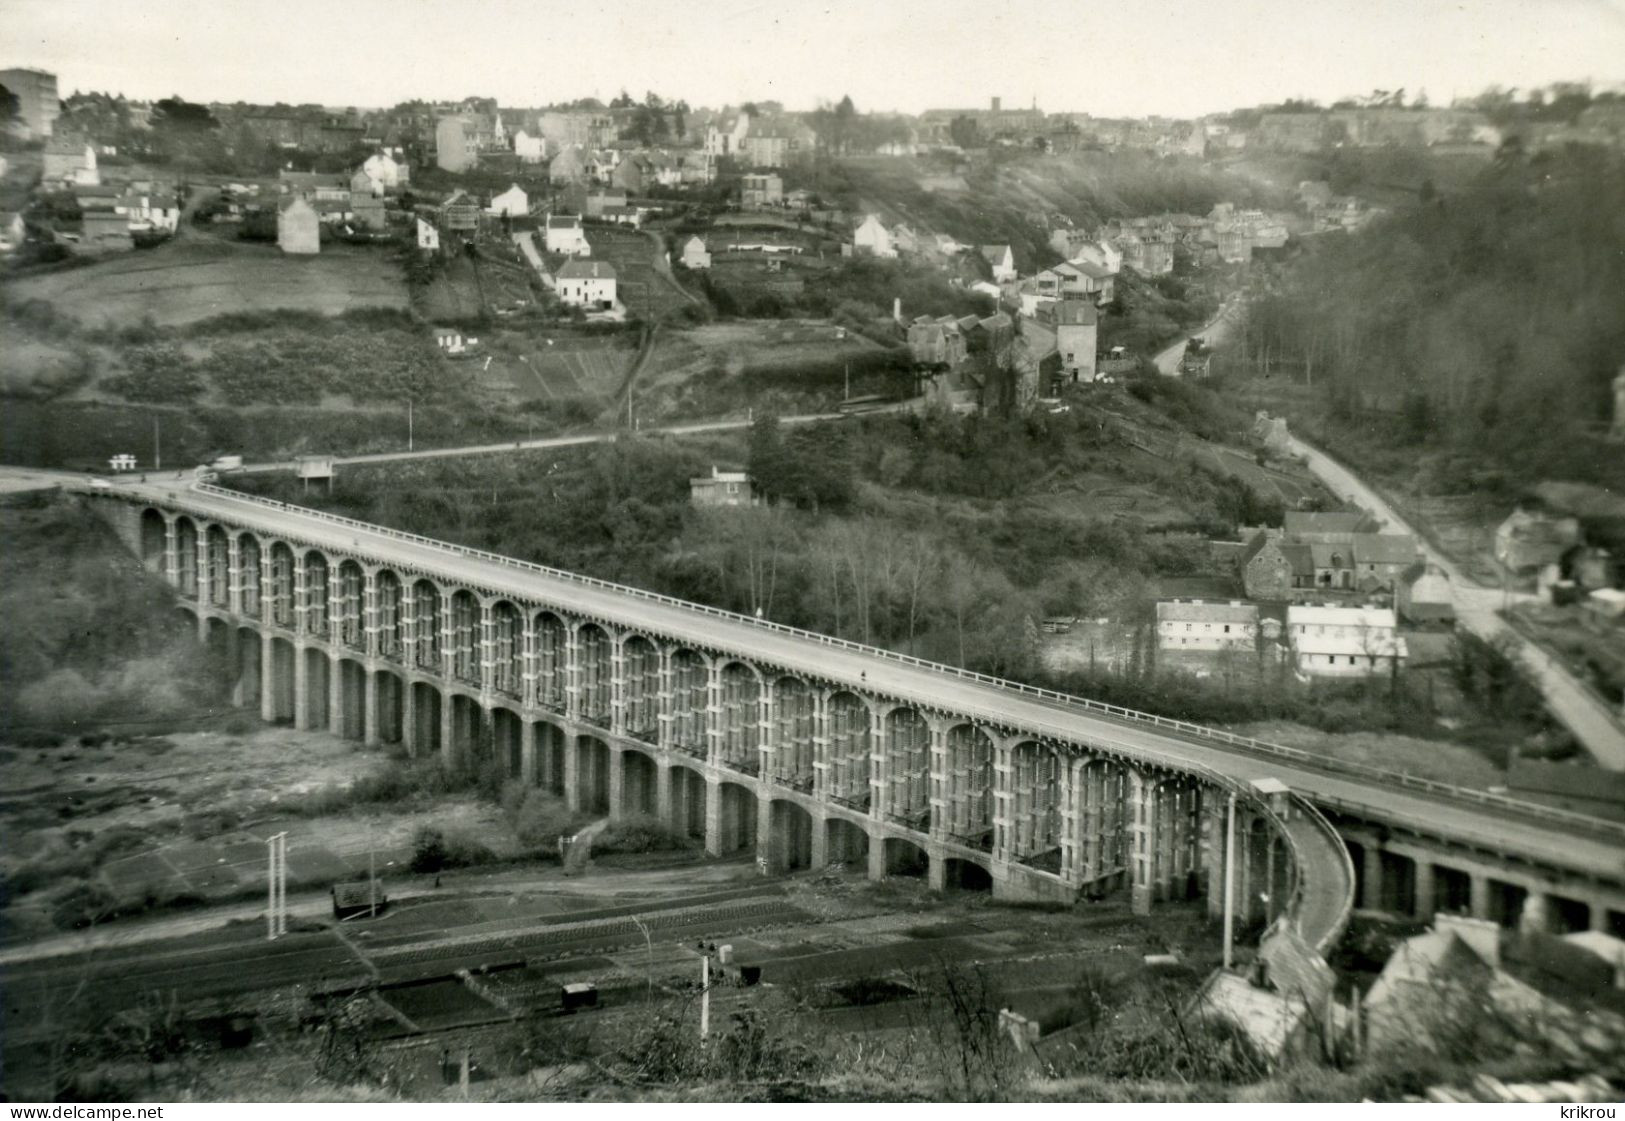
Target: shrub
{"points": [[640, 833], [428, 850]]}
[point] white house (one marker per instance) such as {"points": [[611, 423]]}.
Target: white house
{"points": [[384, 171], [1003, 262], [873, 239], [695, 254], [565, 235], [428, 236], [587, 284], [149, 211], [1194, 625], [1101, 254], [512, 203], [1345, 641], [529, 149]]}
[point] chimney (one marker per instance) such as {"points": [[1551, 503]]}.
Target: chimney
{"points": [[995, 105]]}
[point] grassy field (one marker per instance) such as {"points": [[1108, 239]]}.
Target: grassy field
{"points": [[190, 279], [689, 366], [552, 368]]}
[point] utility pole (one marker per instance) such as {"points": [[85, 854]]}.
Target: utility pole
{"points": [[847, 394], [276, 904], [705, 997], [1229, 877], [157, 447], [372, 870], [409, 424]]}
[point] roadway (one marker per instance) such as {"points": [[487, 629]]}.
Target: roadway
{"points": [[535, 445], [1211, 333], [1547, 840], [1478, 609]]}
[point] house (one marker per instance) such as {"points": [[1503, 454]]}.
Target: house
{"points": [[1344, 641], [624, 216], [512, 203], [872, 238], [456, 144], [596, 202], [1092, 280], [387, 174], [1194, 625], [1381, 558], [629, 175], [761, 190], [937, 343], [1423, 594], [1528, 986], [586, 284], [697, 168], [1076, 325], [368, 210], [565, 235], [155, 210], [460, 213], [1529, 540], [695, 254], [1266, 571], [70, 161], [569, 166], [1002, 261], [428, 236], [1333, 564], [1101, 254], [1337, 526], [1606, 605], [313, 185], [450, 340], [363, 184], [529, 149], [104, 230], [723, 488], [727, 138], [298, 228]]}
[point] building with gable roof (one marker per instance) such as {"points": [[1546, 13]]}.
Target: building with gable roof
{"points": [[1196, 625], [563, 233], [298, 228], [587, 284]]}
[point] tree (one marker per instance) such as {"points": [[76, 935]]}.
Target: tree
{"points": [[965, 132]]}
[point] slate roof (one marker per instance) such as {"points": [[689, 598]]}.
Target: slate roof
{"points": [[1298, 523], [578, 268], [1384, 548]]}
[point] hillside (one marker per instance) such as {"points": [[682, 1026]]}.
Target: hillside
{"points": [[1474, 335]]}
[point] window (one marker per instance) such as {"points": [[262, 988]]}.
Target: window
{"points": [[1227, 628]]}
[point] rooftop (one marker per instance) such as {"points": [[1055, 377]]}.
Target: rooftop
{"points": [[578, 268]]}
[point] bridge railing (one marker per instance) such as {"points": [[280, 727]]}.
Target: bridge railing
{"points": [[1262, 748]]}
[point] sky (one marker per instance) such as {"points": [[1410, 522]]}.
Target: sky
{"points": [[1131, 58]]}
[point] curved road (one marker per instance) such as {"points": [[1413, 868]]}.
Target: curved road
{"points": [[1549, 841], [1477, 607]]}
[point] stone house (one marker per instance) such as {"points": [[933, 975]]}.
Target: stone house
{"points": [[936, 343], [1381, 558], [1266, 573]]}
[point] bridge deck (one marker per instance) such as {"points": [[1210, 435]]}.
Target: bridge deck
{"points": [[1555, 842]]}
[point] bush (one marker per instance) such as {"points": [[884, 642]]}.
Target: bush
{"points": [[640, 833], [428, 850]]}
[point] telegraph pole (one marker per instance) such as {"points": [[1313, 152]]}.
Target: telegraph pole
{"points": [[705, 997], [409, 424], [157, 447], [276, 904]]}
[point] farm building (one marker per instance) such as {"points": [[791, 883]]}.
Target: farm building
{"points": [[1423, 595], [723, 488], [512, 203]]}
